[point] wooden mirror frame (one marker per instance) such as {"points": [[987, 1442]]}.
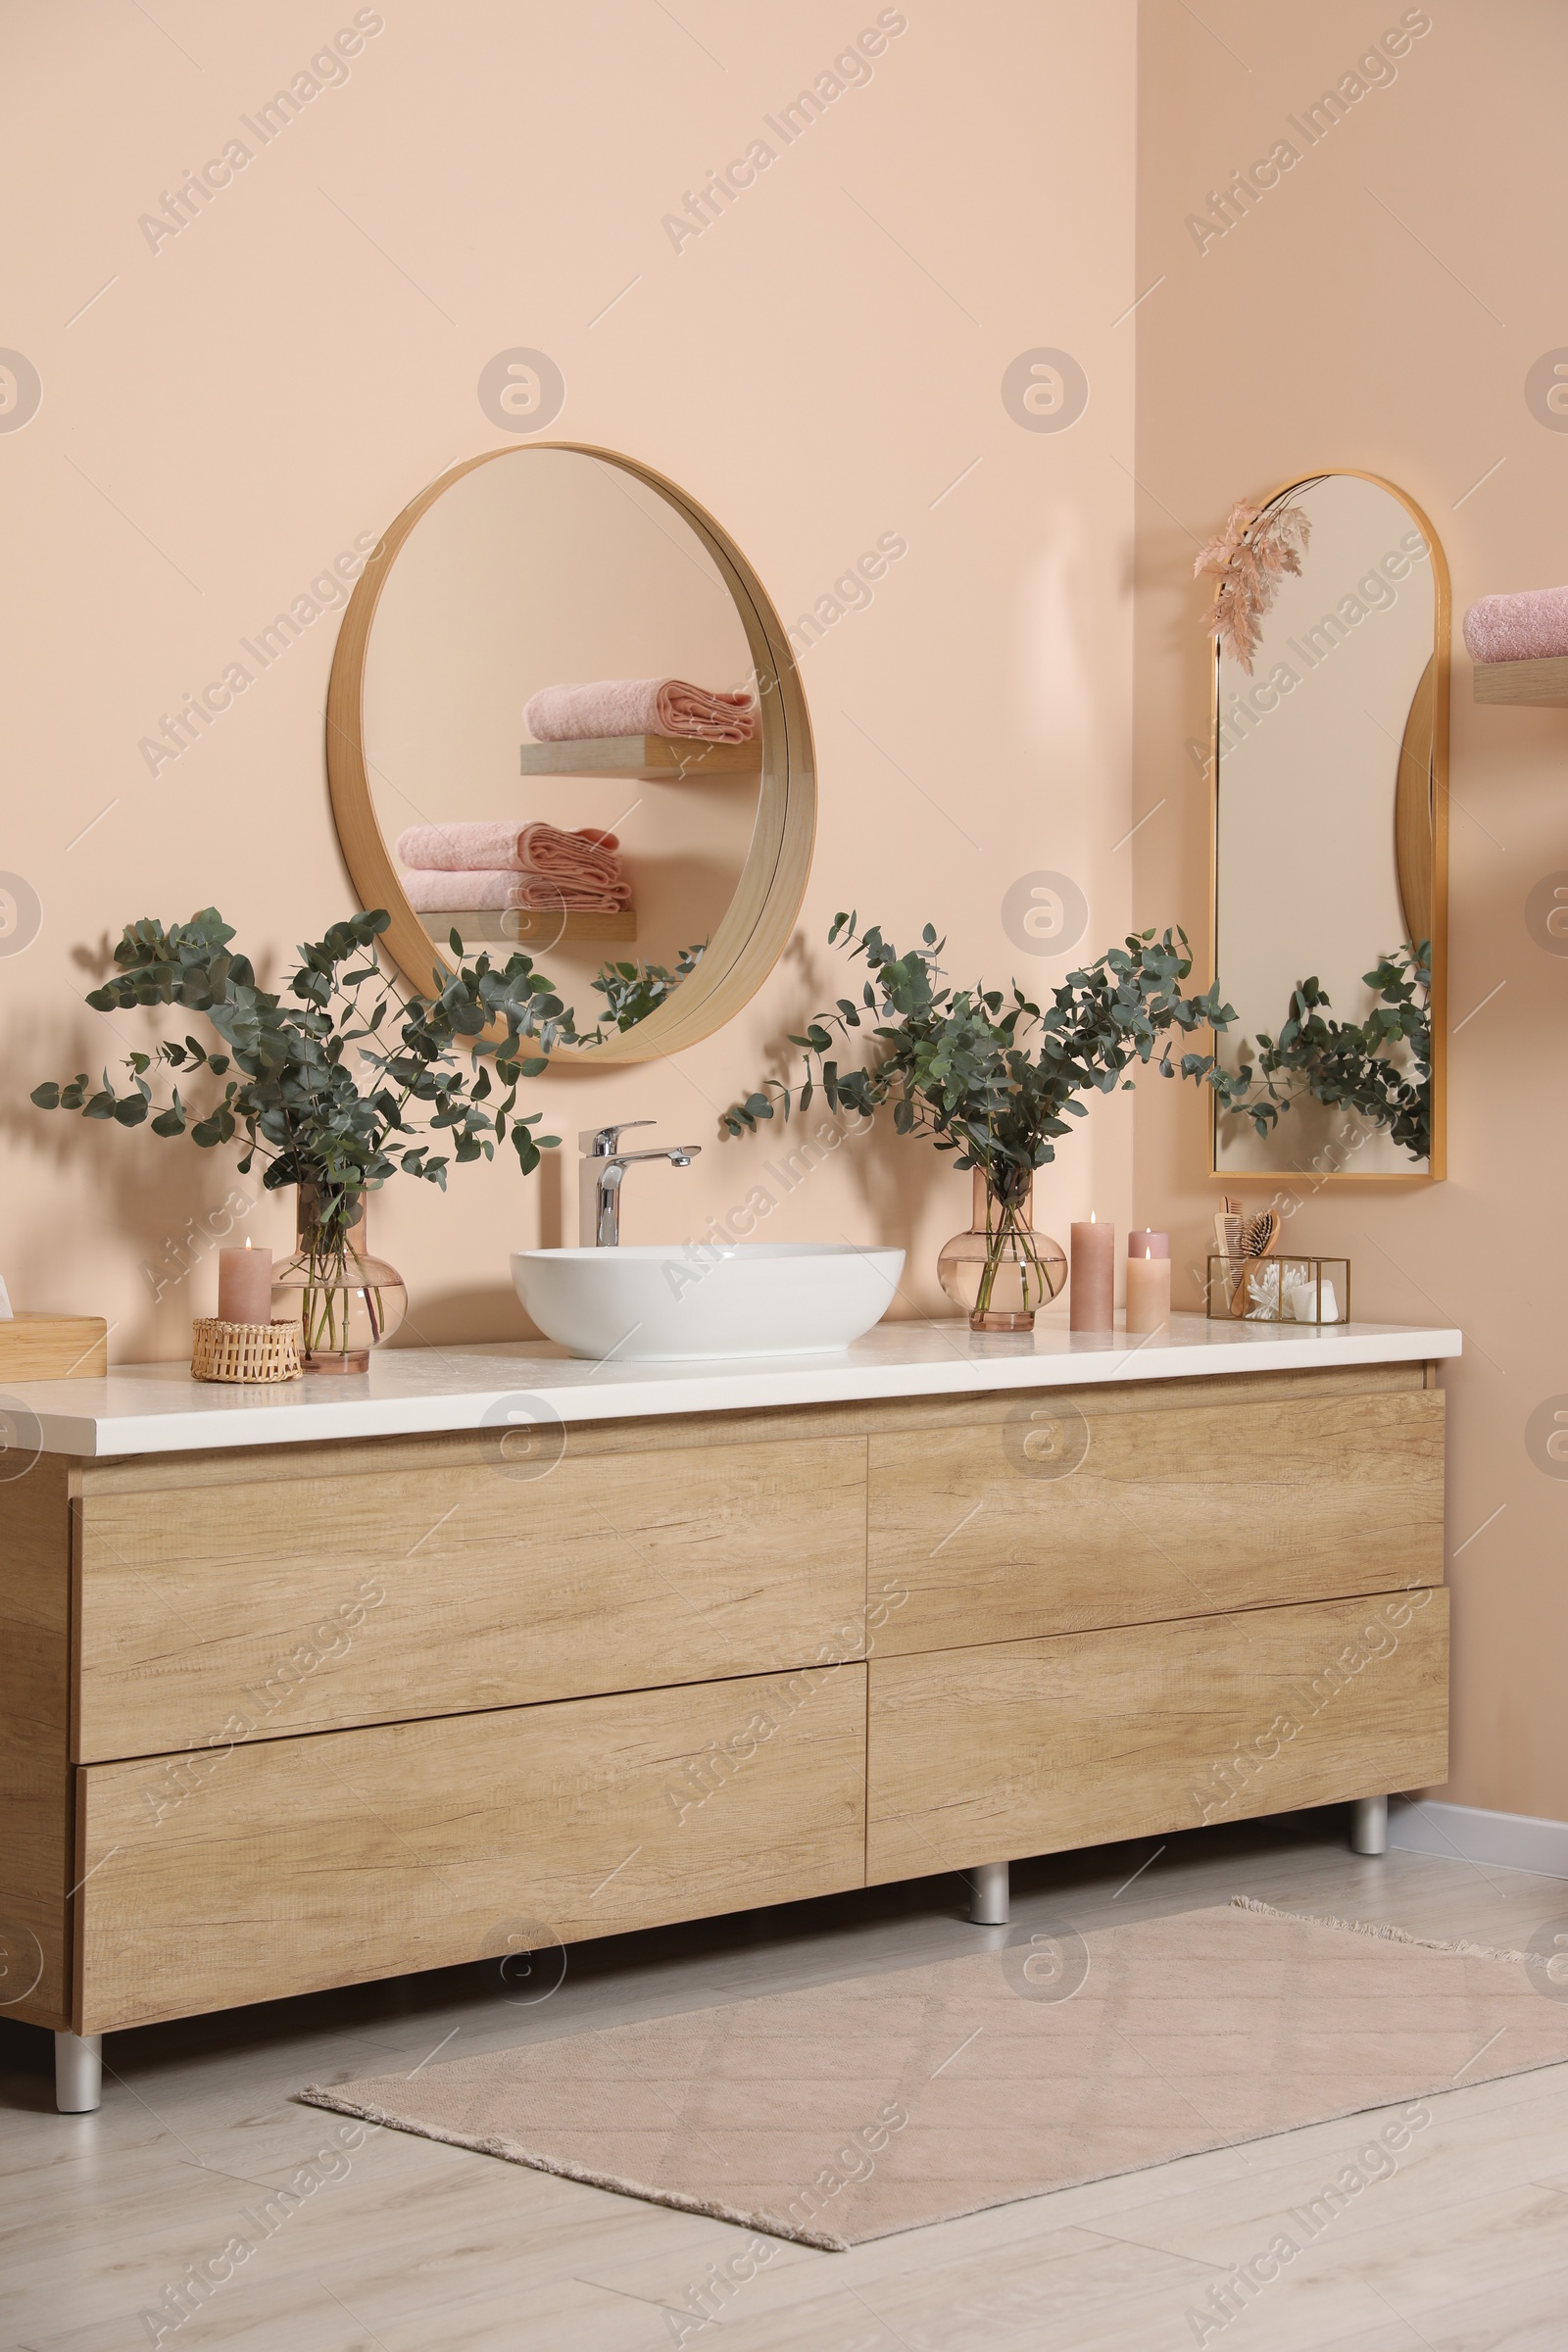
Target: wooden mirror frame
{"points": [[755, 928], [1430, 701]]}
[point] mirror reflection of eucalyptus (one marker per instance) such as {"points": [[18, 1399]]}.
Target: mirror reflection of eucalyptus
{"points": [[561, 731], [1330, 833]]}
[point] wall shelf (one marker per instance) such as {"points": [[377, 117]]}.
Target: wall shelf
{"points": [[522, 927], [643, 758], [1543, 683]]}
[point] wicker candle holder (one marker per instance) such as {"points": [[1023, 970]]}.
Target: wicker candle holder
{"points": [[262, 1353]]}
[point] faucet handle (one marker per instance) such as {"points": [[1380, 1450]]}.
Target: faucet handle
{"points": [[599, 1143]]}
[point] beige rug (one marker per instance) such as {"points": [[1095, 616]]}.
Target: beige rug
{"points": [[848, 2110]]}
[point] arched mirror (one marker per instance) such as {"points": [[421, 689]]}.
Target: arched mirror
{"points": [[563, 718], [1330, 871]]}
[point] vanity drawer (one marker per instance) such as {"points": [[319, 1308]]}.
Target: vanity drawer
{"points": [[1055, 1515], [295, 1864], [275, 1604], [1031, 1747]]}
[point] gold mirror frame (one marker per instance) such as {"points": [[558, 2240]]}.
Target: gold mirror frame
{"points": [[756, 927], [1423, 773]]}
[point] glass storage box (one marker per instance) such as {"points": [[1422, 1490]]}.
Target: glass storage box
{"points": [[1278, 1290]]}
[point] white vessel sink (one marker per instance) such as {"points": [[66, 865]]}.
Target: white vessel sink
{"points": [[662, 1304]]}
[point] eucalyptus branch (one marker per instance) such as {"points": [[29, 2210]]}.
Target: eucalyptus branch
{"points": [[1380, 1067], [632, 991], [989, 1074], [291, 1075]]}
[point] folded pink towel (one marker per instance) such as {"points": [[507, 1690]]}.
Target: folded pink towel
{"points": [[638, 707], [581, 861], [460, 847], [1530, 627], [452, 891]]}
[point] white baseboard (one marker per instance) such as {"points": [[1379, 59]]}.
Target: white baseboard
{"points": [[1468, 1832]]}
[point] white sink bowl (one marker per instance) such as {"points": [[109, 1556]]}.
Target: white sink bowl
{"points": [[674, 1302]]}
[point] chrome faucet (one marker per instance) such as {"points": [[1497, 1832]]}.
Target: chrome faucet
{"points": [[601, 1173]]}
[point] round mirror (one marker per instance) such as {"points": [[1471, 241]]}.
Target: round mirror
{"points": [[563, 719]]}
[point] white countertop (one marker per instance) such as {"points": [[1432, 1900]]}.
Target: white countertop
{"points": [[158, 1408]]}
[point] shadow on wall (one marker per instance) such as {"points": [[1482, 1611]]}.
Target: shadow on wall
{"points": [[774, 1182], [478, 1312], [491, 1310], [162, 1205]]}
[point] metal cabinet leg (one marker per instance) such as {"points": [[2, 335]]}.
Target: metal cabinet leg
{"points": [[78, 2072], [1369, 1826], [989, 1896]]}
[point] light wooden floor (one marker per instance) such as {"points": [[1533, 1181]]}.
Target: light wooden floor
{"points": [[1464, 2248]]}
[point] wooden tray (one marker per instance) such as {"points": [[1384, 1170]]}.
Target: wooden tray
{"points": [[38, 1346]]}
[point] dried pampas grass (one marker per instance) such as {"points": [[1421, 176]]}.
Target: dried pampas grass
{"points": [[1256, 546]]}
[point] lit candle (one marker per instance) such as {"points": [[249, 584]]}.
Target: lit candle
{"points": [[245, 1285], [1148, 1280], [1091, 1292]]}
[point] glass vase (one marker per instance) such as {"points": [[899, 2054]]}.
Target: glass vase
{"points": [[1001, 1270], [345, 1301]]}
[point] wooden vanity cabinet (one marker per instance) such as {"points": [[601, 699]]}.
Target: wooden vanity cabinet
{"points": [[346, 1855], [306, 1715]]}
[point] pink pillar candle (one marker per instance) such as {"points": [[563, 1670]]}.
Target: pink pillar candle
{"points": [[245, 1286], [1147, 1293], [1148, 1280], [1091, 1292]]}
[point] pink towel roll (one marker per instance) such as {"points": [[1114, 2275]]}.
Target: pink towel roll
{"points": [[1530, 627], [639, 706]]}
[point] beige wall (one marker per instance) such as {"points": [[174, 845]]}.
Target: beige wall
{"points": [[818, 367], [1380, 308]]}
